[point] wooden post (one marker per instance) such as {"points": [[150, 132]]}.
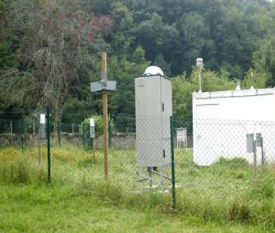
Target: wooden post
{"points": [[262, 150], [105, 113], [255, 161], [48, 144]]}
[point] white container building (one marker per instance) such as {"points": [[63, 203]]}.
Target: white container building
{"points": [[222, 120]]}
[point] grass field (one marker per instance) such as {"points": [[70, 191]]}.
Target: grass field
{"points": [[55, 208], [220, 198]]}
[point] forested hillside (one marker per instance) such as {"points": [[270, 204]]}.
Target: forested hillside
{"points": [[50, 50]]}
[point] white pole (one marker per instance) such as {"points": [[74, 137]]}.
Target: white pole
{"points": [[200, 79], [199, 64]]}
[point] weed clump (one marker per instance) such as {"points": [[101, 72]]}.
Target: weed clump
{"points": [[19, 168]]}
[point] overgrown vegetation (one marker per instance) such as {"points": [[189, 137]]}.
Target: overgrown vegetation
{"points": [[60, 207], [222, 192]]}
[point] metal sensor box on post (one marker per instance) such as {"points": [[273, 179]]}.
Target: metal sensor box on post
{"points": [[42, 125], [103, 85], [92, 128]]}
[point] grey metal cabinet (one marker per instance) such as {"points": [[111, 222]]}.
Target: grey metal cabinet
{"points": [[153, 110]]}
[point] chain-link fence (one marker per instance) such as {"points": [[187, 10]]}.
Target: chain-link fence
{"points": [[230, 160], [221, 161]]}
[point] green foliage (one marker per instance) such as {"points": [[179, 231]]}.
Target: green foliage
{"points": [[184, 86], [257, 80], [264, 61], [120, 38], [232, 37], [125, 71], [182, 99], [156, 37], [55, 51], [194, 34], [213, 81], [165, 66]]}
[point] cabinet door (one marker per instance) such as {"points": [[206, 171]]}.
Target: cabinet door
{"points": [[166, 105], [166, 151], [148, 108], [166, 97], [148, 96]]}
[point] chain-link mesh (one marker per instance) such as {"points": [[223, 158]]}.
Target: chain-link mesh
{"points": [[229, 166], [22, 150], [217, 162], [216, 140]]}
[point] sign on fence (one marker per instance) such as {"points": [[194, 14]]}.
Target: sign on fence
{"points": [[249, 142]]}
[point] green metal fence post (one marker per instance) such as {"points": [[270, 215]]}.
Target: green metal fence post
{"points": [[83, 133], [22, 134], [48, 145], [59, 132], [173, 163]]}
